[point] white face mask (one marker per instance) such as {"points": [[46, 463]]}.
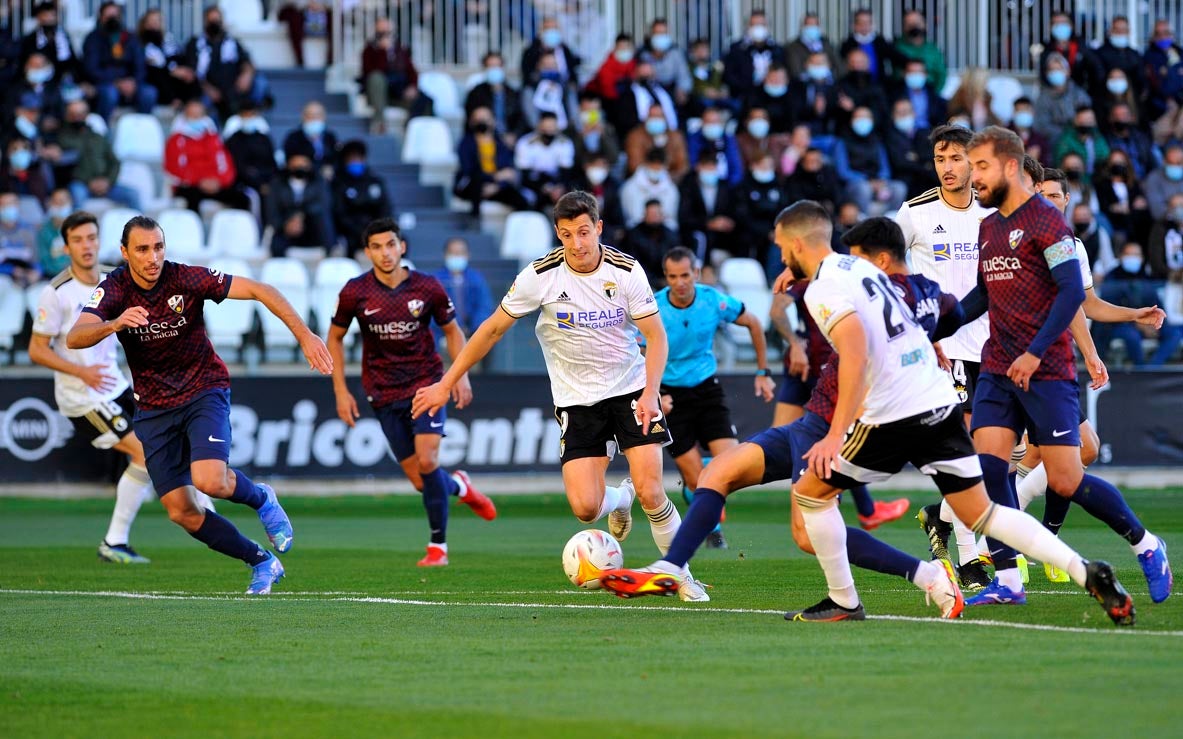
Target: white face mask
{"points": [[597, 175]]}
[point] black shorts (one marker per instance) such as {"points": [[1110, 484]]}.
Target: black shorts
{"points": [[935, 442], [599, 430], [107, 423], [699, 416], [965, 381]]}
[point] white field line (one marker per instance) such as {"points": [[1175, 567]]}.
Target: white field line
{"points": [[576, 606]]}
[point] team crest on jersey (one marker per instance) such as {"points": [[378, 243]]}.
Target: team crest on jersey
{"points": [[1015, 237], [610, 290], [177, 303], [415, 306], [96, 297]]}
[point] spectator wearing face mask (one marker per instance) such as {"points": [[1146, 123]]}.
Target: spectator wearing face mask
{"points": [[37, 91], [656, 133], [756, 139], [1165, 181], [921, 92], [502, 100], [636, 101], [1023, 123], [1121, 199], [359, 195], [546, 161], [1131, 285], [651, 181], [51, 252], [861, 161], [706, 208], [50, 40], [466, 287], [749, 59], [810, 41], [1098, 246], [591, 132], [547, 93], [164, 67], [114, 62], [22, 173], [18, 243], [670, 68], [299, 208], [1083, 139], [712, 138], [914, 45], [773, 96], [883, 58], [814, 179], [96, 174], [1118, 52], [649, 241], [196, 158], [1164, 254], [222, 66], [252, 150], [909, 152], [616, 71], [1123, 134], [1163, 63], [313, 135], [1083, 66], [486, 169], [707, 88], [550, 41], [1059, 97], [814, 95], [758, 200], [597, 179], [858, 89], [1115, 90]]}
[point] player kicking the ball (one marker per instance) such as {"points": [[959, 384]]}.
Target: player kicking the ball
{"points": [[592, 299], [395, 306], [182, 388]]}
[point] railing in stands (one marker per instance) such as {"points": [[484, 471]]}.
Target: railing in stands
{"points": [[182, 18]]}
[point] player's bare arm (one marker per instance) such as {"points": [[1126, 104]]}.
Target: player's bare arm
{"points": [[649, 404], [94, 375], [1102, 310], [346, 403], [89, 329], [763, 383], [244, 288], [454, 338], [433, 397], [798, 359], [1092, 359], [850, 341]]}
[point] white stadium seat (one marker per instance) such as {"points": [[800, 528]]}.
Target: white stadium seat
{"points": [[290, 277], [12, 312], [111, 225], [33, 297], [235, 233], [428, 143], [331, 275], [741, 272], [1004, 91], [528, 235], [139, 177], [139, 137], [229, 321], [444, 93], [184, 236]]}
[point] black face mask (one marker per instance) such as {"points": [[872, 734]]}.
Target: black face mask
{"points": [[1118, 170], [300, 174], [481, 128], [113, 25], [1121, 127], [1074, 175], [154, 37], [1081, 228], [50, 29], [547, 138], [916, 34], [213, 28], [76, 125]]}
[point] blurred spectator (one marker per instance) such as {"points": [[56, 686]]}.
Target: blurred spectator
{"points": [[670, 68], [705, 207], [18, 243], [1080, 187], [299, 210], [252, 150], [914, 45], [547, 93], [1121, 199], [359, 196], [29, 124], [1164, 254], [115, 64], [758, 200], [908, 151], [51, 252], [755, 141], [50, 40], [847, 217], [1083, 67], [597, 179], [1114, 91], [591, 132], [649, 240], [811, 41], [549, 41], [1130, 285], [861, 162], [163, 63], [922, 93], [1023, 123], [465, 285], [1165, 181], [773, 97], [1082, 138], [858, 89], [1097, 243], [546, 161], [96, 173], [23, 173], [1163, 64], [800, 141], [708, 87], [486, 169], [814, 179], [1059, 97], [749, 59], [644, 92], [36, 91], [307, 19], [314, 140], [496, 94], [712, 138], [1118, 52], [651, 181], [222, 66], [657, 133], [882, 57], [616, 71], [972, 101], [1125, 135], [196, 158], [390, 77], [815, 96]]}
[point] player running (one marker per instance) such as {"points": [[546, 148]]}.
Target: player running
{"points": [[395, 305], [182, 388], [592, 300], [691, 396]]}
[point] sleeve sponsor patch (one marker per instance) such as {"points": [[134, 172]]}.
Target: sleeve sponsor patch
{"points": [[1060, 252], [96, 297]]}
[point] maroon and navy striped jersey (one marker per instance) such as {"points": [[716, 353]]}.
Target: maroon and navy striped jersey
{"points": [[816, 347], [171, 359], [398, 348], [1015, 261]]}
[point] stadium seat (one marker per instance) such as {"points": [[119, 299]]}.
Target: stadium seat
{"points": [[184, 236], [1004, 91], [473, 80], [235, 233], [239, 16], [111, 231], [444, 94], [528, 235], [290, 277], [758, 302], [428, 143], [139, 137], [231, 320], [31, 211], [331, 275], [952, 82], [741, 272], [12, 314], [139, 177], [33, 297]]}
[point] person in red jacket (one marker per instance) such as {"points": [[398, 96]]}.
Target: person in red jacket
{"points": [[196, 158], [616, 70], [390, 77]]}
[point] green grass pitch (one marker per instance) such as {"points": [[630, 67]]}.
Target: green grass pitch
{"points": [[359, 641]]}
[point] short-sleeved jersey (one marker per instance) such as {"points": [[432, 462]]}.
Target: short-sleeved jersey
{"points": [[928, 304], [942, 242], [586, 323], [171, 359], [903, 376], [58, 308], [817, 349], [691, 333], [1086, 269], [1018, 255], [398, 349]]}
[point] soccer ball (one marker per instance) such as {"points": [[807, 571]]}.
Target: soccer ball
{"points": [[587, 554]]}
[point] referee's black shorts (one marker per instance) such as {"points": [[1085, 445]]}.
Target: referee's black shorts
{"points": [[699, 416]]}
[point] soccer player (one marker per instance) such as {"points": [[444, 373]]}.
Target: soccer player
{"points": [[395, 305], [592, 299], [691, 396], [182, 388]]}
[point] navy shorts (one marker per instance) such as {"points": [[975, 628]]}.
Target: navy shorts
{"points": [[1049, 411], [795, 391], [785, 446], [401, 429], [175, 438]]}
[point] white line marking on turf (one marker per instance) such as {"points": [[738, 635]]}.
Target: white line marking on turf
{"points": [[302, 597]]}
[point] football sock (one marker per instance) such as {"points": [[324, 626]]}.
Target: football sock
{"points": [[613, 499], [994, 475], [458, 487], [220, 535], [862, 500], [1055, 511], [133, 488], [1032, 486], [246, 492], [435, 502], [701, 519], [664, 523], [966, 544], [827, 532], [1104, 502], [1148, 543], [925, 573], [1027, 535], [1022, 470], [946, 512], [867, 552], [202, 500], [442, 546]]}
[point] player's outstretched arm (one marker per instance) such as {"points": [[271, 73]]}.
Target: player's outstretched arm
{"points": [[89, 329], [1102, 310], [433, 397], [1092, 358], [649, 404], [850, 342], [244, 288], [346, 403], [454, 338], [764, 384]]}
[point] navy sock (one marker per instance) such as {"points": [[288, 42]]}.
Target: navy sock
{"points": [[867, 552], [1104, 502], [451, 485], [862, 500], [994, 475], [703, 517], [688, 496], [246, 492], [435, 502], [220, 535], [1055, 511]]}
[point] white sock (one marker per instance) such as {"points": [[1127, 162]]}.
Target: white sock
{"points": [[926, 573], [1148, 543], [463, 488], [967, 550], [129, 495], [827, 532], [443, 546], [946, 511], [667, 567], [204, 501], [1011, 578], [983, 546], [1033, 486], [664, 523], [1022, 470], [1022, 532], [611, 501]]}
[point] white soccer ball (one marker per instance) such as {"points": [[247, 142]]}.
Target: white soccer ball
{"points": [[587, 554]]}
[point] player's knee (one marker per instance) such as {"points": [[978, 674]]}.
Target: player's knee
{"points": [[1063, 484], [187, 517], [426, 463], [584, 512], [215, 486], [1090, 446]]}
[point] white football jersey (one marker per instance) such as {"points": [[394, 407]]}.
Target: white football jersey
{"points": [[1086, 269], [60, 304], [942, 243], [903, 376], [586, 324]]}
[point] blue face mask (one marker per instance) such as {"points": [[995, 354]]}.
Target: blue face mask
{"points": [[252, 125], [811, 34], [552, 37], [495, 75], [1120, 42], [1062, 31], [551, 75], [1024, 119], [1117, 85], [456, 262], [1131, 264], [1174, 172], [661, 42], [759, 127], [862, 126], [1057, 77], [59, 211], [818, 73], [905, 124], [313, 129], [776, 91], [713, 131], [20, 159], [763, 176], [655, 126], [10, 213], [708, 177], [916, 80], [356, 169]]}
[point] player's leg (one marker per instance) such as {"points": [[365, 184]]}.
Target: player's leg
{"points": [[791, 396], [428, 430], [586, 445]]}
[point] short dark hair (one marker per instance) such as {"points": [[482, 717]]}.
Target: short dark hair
{"points": [[624, 37], [877, 235], [137, 222], [802, 213], [677, 254], [1051, 174], [652, 201], [1006, 143], [1023, 100], [656, 155], [946, 136], [707, 156], [1032, 167], [76, 219], [547, 114], [491, 55], [574, 204], [353, 148], [379, 226]]}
